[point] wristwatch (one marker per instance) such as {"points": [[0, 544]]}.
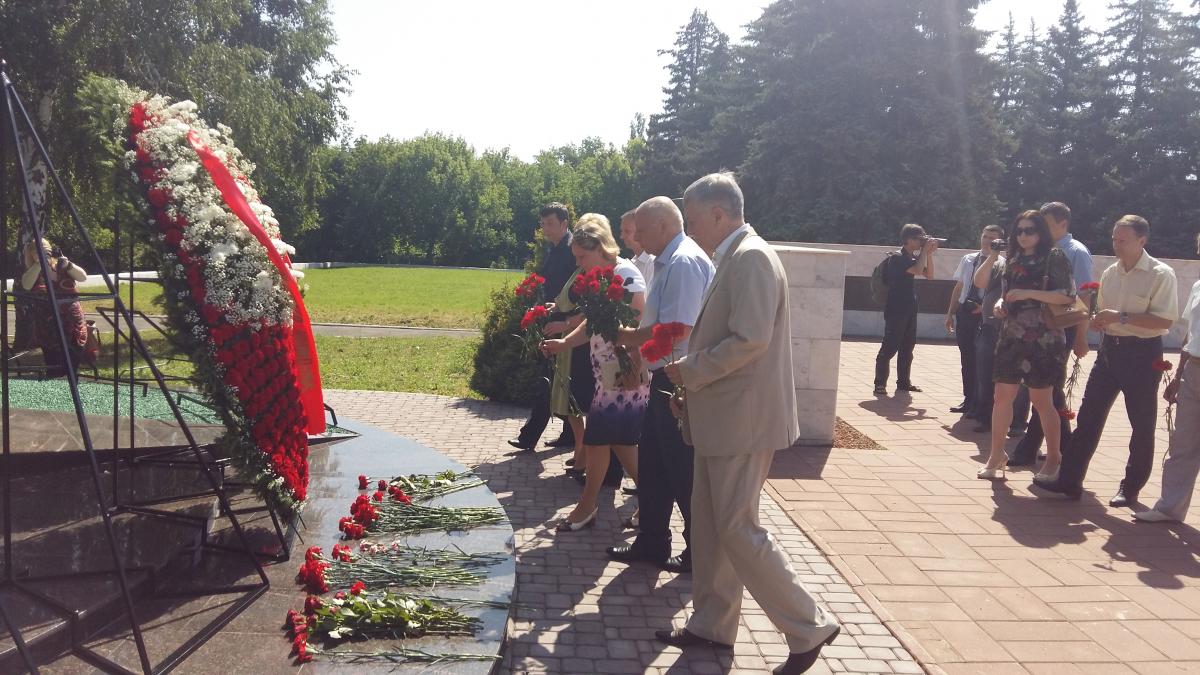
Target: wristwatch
{"points": [[1124, 317]]}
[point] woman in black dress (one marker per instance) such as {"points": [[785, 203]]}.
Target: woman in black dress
{"points": [[1029, 351]]}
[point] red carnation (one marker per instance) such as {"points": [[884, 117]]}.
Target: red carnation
{"points": [[608, 273], [378, 496], [655, 351], [593, 286], [358, 588], [1090, 286], [311, 604], [382, 485], [1067, 414], [1163, 366], [158, 197]]}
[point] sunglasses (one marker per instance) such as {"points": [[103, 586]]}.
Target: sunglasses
{"points": [[1031, 231]]}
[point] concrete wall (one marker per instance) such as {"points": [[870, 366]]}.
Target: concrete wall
{"points": [[816, 289], [862, 322]]}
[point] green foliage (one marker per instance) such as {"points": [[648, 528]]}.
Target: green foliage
{"points": [[428, 365], [263, 67], [504, 370]]}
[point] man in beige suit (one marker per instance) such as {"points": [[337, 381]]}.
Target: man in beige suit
{"points": [[740, 407]]}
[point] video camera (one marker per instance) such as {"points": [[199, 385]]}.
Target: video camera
{"points": [[998, 244], [926, 238]]}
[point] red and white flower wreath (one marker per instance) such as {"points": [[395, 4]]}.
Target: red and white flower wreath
{"points": [[226, 299]]}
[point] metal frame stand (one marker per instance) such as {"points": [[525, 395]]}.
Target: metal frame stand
{"points": [[13, 118]]}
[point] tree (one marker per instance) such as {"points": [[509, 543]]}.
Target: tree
{"points": [[680, 145], [869, 115], [1025, 116], [1154, 159], [263, 67], [1080, 110]]}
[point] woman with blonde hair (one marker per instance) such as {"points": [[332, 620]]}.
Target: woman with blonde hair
{"points": [[614, 419], [63, 274]]}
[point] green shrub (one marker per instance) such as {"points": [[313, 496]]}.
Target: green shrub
{"points": [[503, 369]]}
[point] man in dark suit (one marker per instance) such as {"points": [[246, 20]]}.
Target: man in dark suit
{"points": [[557, 268]]}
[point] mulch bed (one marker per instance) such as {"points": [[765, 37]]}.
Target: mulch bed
{"points": [[846, 436]]}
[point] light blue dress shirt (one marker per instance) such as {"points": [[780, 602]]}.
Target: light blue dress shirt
{"points": [[682, 274], [1080, 258]]}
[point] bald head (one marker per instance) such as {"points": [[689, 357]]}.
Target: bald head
{"points": [[658, 222]]}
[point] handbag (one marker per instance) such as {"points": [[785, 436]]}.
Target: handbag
{"points": [[1062, 316]]}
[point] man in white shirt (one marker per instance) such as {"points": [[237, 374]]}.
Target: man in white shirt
{"points": [[965, 316], [1136, 306], [1183, 451], [641, 258]]}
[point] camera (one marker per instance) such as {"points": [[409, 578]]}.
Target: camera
{"points": [[998, 245], [926, 238]]}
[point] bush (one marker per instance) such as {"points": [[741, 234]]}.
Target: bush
{"points": [[503, 370]]}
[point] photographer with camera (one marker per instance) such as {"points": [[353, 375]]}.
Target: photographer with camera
{"points": [[898, 272], [965, 316], [63, 274]]}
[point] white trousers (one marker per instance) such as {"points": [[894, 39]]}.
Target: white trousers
{"points": [[1183, 454]]}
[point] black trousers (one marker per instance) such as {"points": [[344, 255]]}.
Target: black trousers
{"points": [[665, 468], [539, 415], [966, 331], [1027, 447], [1123, 366], [899, 338]]}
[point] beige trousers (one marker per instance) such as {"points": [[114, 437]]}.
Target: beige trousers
{"points": [[732, 551]]}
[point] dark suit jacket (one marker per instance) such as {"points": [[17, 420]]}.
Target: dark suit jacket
{"points": [[558, 267]]}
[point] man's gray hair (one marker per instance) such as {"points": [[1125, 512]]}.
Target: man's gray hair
{"points": [[720, 189]]}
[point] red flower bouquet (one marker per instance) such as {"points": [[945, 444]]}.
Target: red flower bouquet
{"points": [[607, 304]]}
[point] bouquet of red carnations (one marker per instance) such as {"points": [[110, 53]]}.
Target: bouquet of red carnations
{"points": [[607, 304], [662, 346], [536, 316]]}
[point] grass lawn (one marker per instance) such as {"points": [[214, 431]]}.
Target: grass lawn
{"points": [[399, 296], [389, 296], [432, 365]]}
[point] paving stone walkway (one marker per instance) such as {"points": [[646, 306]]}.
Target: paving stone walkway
{"points": [[980, 577], [577, 611]]}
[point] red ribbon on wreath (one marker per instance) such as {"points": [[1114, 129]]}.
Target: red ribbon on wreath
{"points": [[308, 373]]}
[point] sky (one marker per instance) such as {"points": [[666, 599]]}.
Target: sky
{"points": [[533, 74]]}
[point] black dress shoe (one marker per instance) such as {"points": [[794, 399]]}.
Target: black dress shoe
{"points": [[676, 565], [800, 662], [909, 387], [519, 444], [960, 408], [627, 554], [561, 442], [1123, 498], [682, 637], [881, 391], [1057, 487]]}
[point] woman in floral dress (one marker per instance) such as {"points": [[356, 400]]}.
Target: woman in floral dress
{"points": [[1029, 351], [614, 419]]}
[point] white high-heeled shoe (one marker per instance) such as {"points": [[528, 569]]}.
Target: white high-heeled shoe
{"points": [[989, 473], [565, 525]]}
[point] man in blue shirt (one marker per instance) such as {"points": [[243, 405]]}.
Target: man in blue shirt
{"points": [[682, 273], [1058, 217]]}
